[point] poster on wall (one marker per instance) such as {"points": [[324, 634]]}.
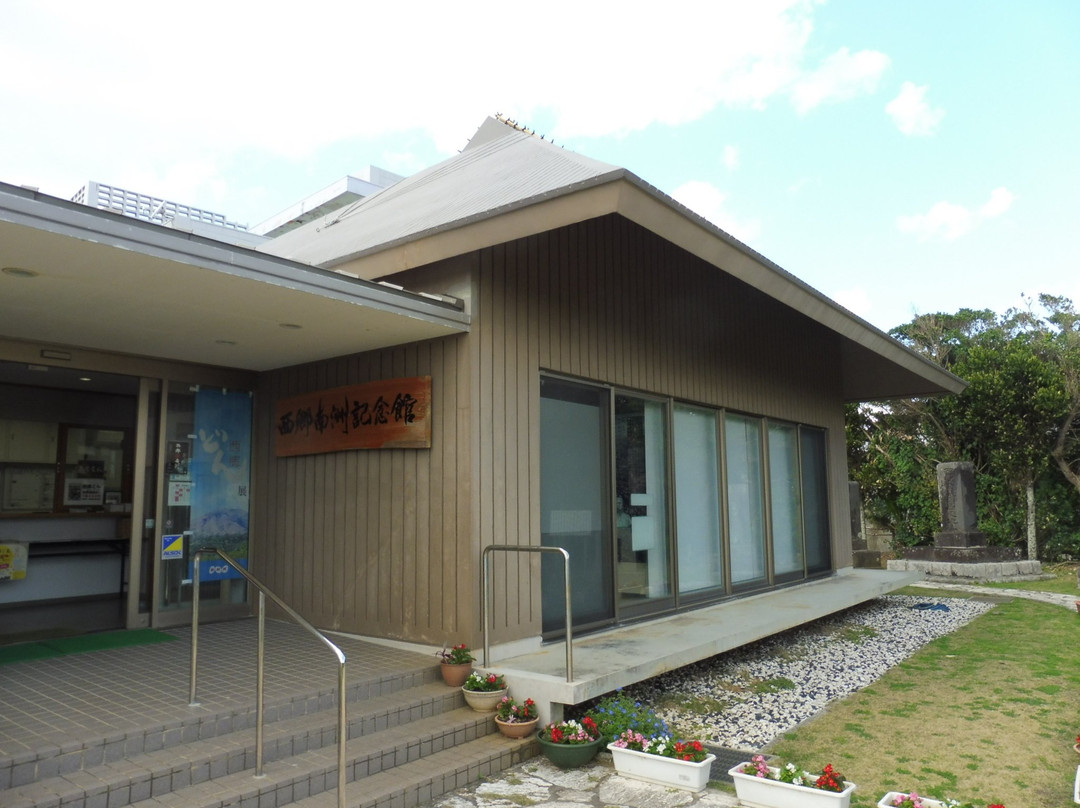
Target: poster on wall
{"points": [[13, 555], [220, 471]]}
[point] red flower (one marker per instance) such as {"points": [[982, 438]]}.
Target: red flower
{"points": [[830, 780], [556, 735]]}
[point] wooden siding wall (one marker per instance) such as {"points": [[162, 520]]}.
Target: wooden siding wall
{"points": [[371, 541], [389, 543], [608, 301]]}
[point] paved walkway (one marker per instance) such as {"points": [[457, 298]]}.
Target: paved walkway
{"points": [[1055, 598], [539, 784]]}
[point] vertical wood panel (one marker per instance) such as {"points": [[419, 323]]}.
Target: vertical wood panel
{"points": [[397, 535]]}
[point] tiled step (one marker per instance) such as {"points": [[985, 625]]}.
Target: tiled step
{"points": [[388, 754], [79, 755], [420, 782], [428, 717]]}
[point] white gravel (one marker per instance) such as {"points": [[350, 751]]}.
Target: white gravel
{"points": [[771, 686]]}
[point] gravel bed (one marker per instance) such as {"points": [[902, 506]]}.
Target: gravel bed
{"points": [[744, 698]]}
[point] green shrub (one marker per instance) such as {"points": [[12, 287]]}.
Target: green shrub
{"points": [[616, 713]]}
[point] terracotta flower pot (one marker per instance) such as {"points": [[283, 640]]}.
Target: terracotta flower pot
{"points": [[455, 675], [516, 729], [484, 701]]}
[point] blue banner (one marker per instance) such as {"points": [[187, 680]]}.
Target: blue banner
{"points": [[221, 477]]}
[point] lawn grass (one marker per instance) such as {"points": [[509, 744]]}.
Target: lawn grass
{"points": [[987, 713]]}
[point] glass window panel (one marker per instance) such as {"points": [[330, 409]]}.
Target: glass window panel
{"points": [[815, 488], [573, 502], [785, 501], [641, 501], [745, 491], [697, 496]]}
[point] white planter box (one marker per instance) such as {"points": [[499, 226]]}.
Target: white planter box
{"points": [[887, 800], [662, 770], [760, 792]]}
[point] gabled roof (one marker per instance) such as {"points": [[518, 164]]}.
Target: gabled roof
{"points": [[490, 175], [509, 184]]}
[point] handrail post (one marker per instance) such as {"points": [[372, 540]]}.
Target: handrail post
{"points": [[259, 679], [194, 633], [342, 720], [485, 598]]}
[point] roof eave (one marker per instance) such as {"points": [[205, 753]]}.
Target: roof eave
{"points": [[623, 193]]}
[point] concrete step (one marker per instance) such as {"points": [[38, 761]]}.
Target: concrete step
{"points": [[393, 756], [420, 782], [407, 722]]}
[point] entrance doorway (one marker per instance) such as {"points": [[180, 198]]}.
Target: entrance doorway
{"points": [[603, 498], [575, 503], [86, 490]]}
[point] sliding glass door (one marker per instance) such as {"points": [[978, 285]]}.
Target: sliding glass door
{"points": [[746, 501], [697, 501], [575, 502], [641, 502], [663, 504]]}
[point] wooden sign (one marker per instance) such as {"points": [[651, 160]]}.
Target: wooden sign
{"points": [[389, 414]]}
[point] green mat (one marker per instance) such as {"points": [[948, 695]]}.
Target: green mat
{"points": [[61, 646]]}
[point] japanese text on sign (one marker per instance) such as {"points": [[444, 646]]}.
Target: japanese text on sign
{"points": [[390, 414]]}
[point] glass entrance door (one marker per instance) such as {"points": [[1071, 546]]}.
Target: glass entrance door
{"points": [[205, 460], [575, 502]]}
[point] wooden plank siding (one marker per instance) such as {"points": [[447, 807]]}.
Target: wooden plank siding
{"points": [[372, 542], [607, 301], [388, 543]]}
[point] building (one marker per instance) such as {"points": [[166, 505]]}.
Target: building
{"points": [[581, 362]]}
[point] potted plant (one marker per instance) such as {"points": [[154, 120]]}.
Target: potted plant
{"points": [[516, 720], [569, 744], [662, 760], [898, 799], [789, 786], [455, 664], [617, 713], [484, 691]]}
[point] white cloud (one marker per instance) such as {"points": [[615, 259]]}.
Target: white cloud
{"points": [[911, 112], [1001, 200], [710, 202], [842, 76], [731, 157], [156, 88], [947, 221], [855, 300]]}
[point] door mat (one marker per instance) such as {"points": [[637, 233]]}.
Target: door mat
{"points": [[62, 646]]}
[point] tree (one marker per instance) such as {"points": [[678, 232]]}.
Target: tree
{"points": [[1018, 417]]}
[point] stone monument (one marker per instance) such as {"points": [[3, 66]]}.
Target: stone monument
{"points": [[960, 552], [956, 498]]}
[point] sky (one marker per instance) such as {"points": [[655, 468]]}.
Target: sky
{"points": [[901, 158]]}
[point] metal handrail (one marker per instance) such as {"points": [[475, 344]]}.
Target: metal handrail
{"points": [[485, 599], [264, 591]]}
